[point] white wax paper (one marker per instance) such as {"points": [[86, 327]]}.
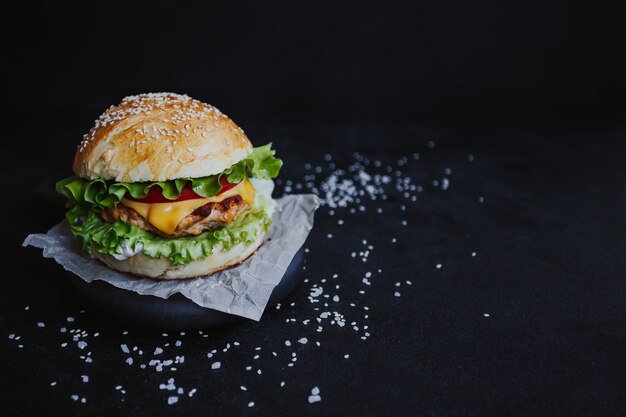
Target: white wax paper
{"points": [[243, 290]]}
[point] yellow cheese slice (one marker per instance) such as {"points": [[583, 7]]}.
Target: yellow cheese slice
{"points": [[166, 216]]}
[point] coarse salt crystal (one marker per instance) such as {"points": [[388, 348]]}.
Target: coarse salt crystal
{"points": [[314, 399]]}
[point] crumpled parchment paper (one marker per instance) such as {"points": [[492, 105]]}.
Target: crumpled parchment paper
{"points": [[243, 290]]}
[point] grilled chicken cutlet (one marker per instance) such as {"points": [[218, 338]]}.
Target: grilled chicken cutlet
{"points": [[211, 216]]}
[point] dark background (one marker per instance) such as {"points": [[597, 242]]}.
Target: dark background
{"points": [[535, 90], [437, 61]]}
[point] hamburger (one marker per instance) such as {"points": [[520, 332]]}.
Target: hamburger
{"points": [[168, 187]]}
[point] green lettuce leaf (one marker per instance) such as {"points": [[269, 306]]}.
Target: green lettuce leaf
{"points": [[260, 164], [100, 194], [103, 237]]}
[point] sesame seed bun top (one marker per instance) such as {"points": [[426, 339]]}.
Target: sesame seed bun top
{"points": [[158, 137]]}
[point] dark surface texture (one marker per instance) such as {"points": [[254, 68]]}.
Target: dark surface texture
{"points": [[500, 126], [549, 271]]}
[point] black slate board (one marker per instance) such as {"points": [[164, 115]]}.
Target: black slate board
{"points": [[176, 312]]}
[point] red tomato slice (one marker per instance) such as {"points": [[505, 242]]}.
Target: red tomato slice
{"points": [[226, 185], [155, 195]]}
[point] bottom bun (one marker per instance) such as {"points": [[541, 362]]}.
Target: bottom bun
{"points": [[145, 266]]}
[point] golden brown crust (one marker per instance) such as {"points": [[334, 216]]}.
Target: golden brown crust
{"points": [[157, 137]]}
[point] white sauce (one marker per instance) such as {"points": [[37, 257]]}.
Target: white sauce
{"points": [[128, 252]]}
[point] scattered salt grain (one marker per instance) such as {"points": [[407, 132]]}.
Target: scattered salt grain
{"points": [[315, 395]]}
